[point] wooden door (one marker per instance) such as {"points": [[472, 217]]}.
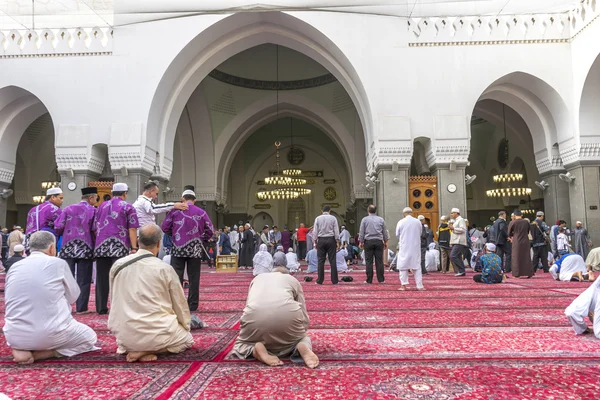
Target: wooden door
{"points": [[104, 190], [423, 199]]}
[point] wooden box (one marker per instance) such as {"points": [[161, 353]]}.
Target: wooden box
{"points": [[227, 263]]}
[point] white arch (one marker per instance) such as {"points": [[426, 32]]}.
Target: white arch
{"points": [[262, 112], [589, 105], [235, 34]]}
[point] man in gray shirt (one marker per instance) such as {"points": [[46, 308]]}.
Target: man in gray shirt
{"points": [[326, 235], [373, 237]]}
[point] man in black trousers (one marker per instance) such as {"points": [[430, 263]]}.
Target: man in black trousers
{"points": [[373, 237], [327, 240]]}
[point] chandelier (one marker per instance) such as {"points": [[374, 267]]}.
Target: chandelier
{"points": [[528, 211], [38, 199], [287, 186], [508, 192], [508, 178]]}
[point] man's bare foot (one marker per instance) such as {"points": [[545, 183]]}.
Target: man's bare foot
{"points": [[148, 358], [44, 354], [261, 354], [310, 359], [22, 357], [421, 289], [403, 287], [134, 356]]}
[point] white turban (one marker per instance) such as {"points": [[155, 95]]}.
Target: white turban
{"points": [[407, 210], [455, 210], [490, 246], [420, 218], [120, 187], [53, 191]]}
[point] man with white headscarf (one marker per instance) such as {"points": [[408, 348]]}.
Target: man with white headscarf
{"points": [[262, 261], [279, 259], [587, 304], [292, 260], [432, 258], [570, 266], [409, 231]]}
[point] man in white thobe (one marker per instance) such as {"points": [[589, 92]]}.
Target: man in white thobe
{"points": [[234, 238], [408, 232], [39, 293], [587, 304], [432, 258], [149, 312]]}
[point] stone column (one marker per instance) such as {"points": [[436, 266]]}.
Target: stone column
{"points": [[447, 176], [391, 197], [3, 203], [584, 198], [80, 179], [135, 180], [556, 198]]}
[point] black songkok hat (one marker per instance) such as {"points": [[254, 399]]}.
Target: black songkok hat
{"points": [[89, 190], [188, 187]]}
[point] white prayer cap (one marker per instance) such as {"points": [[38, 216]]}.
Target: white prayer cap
{"points": [[455, 210], [235, 227], [407, 210], [432, 246], [188, 193], [539, 214], [578, 222], [19, 248], [420, 218], [280, 248], [120, 187], [490, 246], [53, 191], [290, 250], [444, 218]]}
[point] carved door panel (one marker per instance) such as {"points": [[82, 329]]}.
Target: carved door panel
{"points": [[423, 199]]}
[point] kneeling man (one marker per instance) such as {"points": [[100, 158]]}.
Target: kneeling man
{"points": [[149, 313], [275, 321], [40, 290]]}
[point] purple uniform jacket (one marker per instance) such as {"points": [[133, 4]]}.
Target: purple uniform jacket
{"points": [[76, 225], [42, 218], [187, 229], [113, 221]]}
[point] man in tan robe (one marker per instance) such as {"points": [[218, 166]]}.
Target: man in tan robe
{"points": [[275, 321], [149, 312]]}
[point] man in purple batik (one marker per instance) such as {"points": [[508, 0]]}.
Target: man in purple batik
{"points": [[188, 228], [116, 236], [76, 225], [44, 216]]}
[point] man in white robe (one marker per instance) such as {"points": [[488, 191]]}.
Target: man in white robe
{"points": [[39, 293], [292, 260], [312, 260], [234, 238], [432, 258], [408, 232], [150, 313], [593, 260], [262, 261], [340, 260], [587, 304], [570, 266]]}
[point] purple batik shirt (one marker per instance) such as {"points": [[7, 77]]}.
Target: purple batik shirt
{"points": [[76, 225], [113, 221], [42, 218], [187, 230]]}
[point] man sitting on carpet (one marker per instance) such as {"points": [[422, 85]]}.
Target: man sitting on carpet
{"points": [[18, 255], [312, 260], [279, 258], [149, 313], [587, 304], [39, 293], [491, 266], [275, 321]]}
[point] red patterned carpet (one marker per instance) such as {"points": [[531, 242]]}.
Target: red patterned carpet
{"points": [[457, 340]]}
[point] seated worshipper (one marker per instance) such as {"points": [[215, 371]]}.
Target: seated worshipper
{"points": [[587, 304], [19, 251], [39, 293], [593, 260], [491, 266], [262, 261], [571, 267], [340, 259], [275, 321], [432, 258], [312, 260], [279, 259], [149, 313], [292, 260]]}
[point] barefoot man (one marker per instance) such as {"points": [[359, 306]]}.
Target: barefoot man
{"points": [[275, 321], [39, 292], [149, 313]]}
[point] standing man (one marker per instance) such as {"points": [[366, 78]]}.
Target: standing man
{"points": [[500, 239], [518, 234], [326, 237], [344, 236], [539, 234], [225, 242], [275, 239], [188, 228], [4, 234], [44, 216], [116, 237], [424, 244], [373, 236], [581, 240], [234, 239], [458, 241], [444, 243], [15, 238], [146, 209], [265, 239], [76, 225], [302, 232], [409, 231]]}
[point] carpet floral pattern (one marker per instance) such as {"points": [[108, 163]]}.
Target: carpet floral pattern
{"points": [[456, 340]]}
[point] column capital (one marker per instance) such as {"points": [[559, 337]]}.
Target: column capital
{"points": [[74, 151], [6, 175], [391, 153], [445, 156], [582, 154]]}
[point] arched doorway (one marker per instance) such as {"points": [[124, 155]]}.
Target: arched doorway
{"points": [[261, 219]]}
